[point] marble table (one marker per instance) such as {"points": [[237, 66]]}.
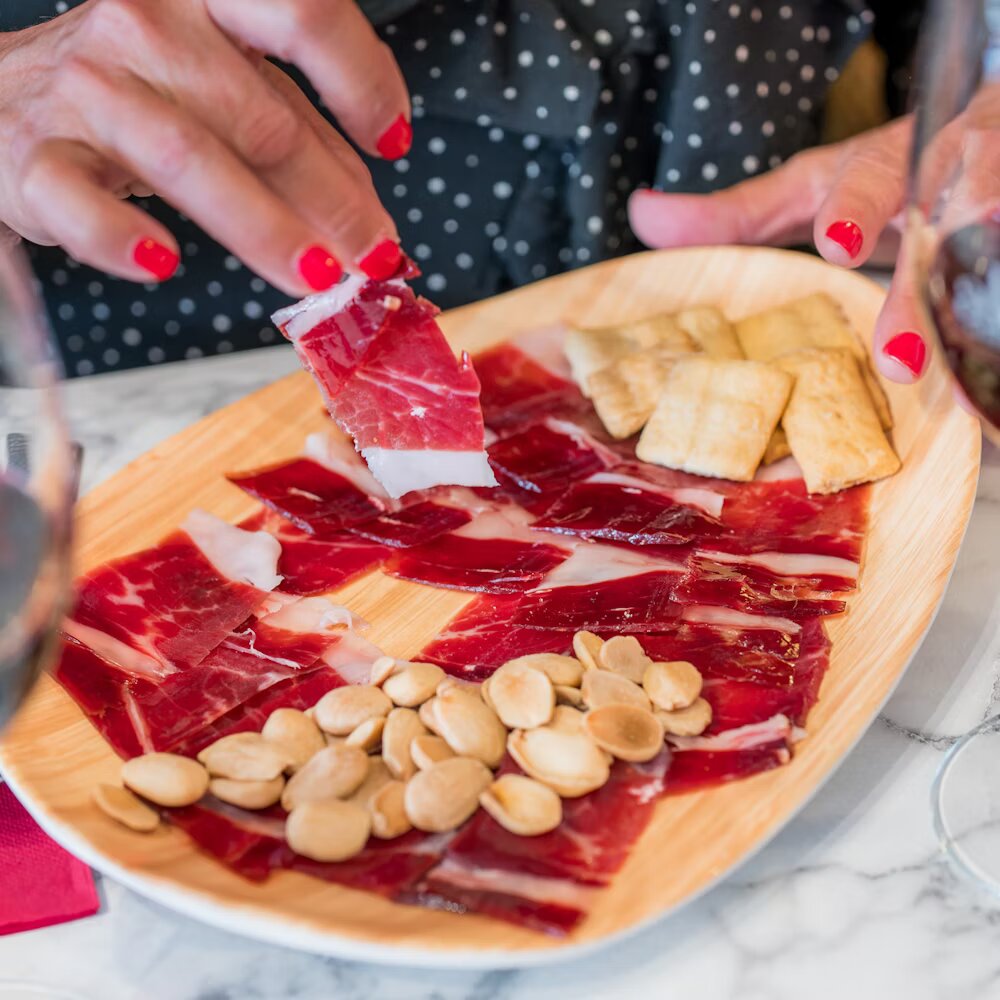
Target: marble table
{"points": [[852, 899]]}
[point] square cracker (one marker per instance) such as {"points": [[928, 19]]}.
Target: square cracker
{"points": [[711, 331], [715, 417], [831, 423], [625, 393], [590, 351], [814, 321]]}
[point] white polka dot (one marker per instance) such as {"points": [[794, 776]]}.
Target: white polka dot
{"points": [[624, 67], [710, 36], [807, 73], [499, 28], [495, 134], [223, 347], [565, 254], [437, 145], [414, 214], [74, 342], [532, 169], [552, 61], [673, 175], [785, 12], [637, 31], [734, 10], [502, 190], [792, 55], [675, 30], [852, 24], [583, 133], [732, 90], [521, 248], [531, 141], [594, 225], [461, 93], [694, 140], [831, 73], [571, 93], [709, 171], [763, 89], [742, 53], [594, 63], [457, 37], [538, 270], [784, 88], [542, 112], [472, 161], [59, 276], [767, 128], [559, 24], [586, 181], [607, 96], [399, 190], [462, 200], [257, 285], [650, 94], [774, 161], [171, 328], [808, 33], [266, 335], [97, 334], [214, 288], [111, 356], [661, 61], [583, 254], [420, 44], [603, 37], [694, 67], [632, 16], [450, 226], [401, 166], [631, 143], [500, 244], [252, 309], [95, 288], [185, 307], [690, 8], [491, 229], [464, 261], [422, 251], [823, 34], [701, 103], [101, 311], [434, 72], [755, 14], [66, 311], [486, 66], [84, 367], [805, 104], [525, 58], [221, 323], [735, 128], [131, 336], [61, 7], [750, 164], [436, 185]]}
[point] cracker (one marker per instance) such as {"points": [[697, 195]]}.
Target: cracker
{"points": [[814, 321], [590, 351], [832, 425], [777, 448], [715, 417], [711, 331], [625, 393]]}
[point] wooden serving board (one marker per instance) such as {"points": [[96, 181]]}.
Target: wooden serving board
{"points": [[53, 758]]}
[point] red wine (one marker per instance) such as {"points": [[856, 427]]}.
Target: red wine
{"points": [[29, 595], [963, 295]]}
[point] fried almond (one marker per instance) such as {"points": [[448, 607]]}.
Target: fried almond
{"points": [[601, 687], [402, 727], [559, 669], [247, 794], [426, 715], [382, 669], [568, 718], [427, 750], [340, 711], [470, 687], [568, 695], [445, 795], [367, 736], [568, 761], [413, 684], [625, 731], [623, 654], [389, 819], [715, 417], [832, 427], [166, 778], [672, 684], [125, 808], [521, 696], [245, 757], [296, 732], [333, 773], [690, 721], [484, 693], [327, 829], [587, 648], [522, 805], [377, 776], [469, 726], [710, 331]]}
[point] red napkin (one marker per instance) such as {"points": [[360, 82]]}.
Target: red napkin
{"points": [[40, 884]]}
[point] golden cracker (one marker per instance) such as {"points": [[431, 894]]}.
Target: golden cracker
{"points": [[715, 417], [711, 331], [777, 448], [832, 425]]}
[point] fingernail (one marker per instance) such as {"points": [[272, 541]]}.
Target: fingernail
{"points": [[320, 269], [383, 261], [396, 139], [848, 235], [159, 260], [908, 349]]}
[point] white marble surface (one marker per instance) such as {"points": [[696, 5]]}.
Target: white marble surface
{"points": [[852, 899]]}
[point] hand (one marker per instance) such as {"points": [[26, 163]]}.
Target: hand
{"points": [[173, 97], [847, 197]]}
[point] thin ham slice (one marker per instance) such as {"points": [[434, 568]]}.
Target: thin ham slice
{"points": [[391, 381]]}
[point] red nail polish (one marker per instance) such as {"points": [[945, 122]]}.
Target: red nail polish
{"points": [[320, 269], [848, 235], [159, 260], [396, 139], [383, 261], [908, 349]]}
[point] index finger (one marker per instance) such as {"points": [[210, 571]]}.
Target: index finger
{"points": [[333, 43]]}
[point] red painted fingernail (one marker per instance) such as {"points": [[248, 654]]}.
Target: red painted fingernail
{"points": [[320, 269], [383, 261], [396, 139], [908, 349], [159, 260], [848, 235]]}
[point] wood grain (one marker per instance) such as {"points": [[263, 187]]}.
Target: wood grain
{"points": [[53, 757]]}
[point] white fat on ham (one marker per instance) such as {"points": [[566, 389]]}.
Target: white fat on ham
{"points": [[311, 614], [705, 500], [757, 734], [246, 556], [299, 318], [117, 652], [595, 563], [537, 888], [511, 523], [402, 470], [780, 471], [336, 453], [701, 614], [352, 658], [576, 433], [789, 563], [545, 347]]}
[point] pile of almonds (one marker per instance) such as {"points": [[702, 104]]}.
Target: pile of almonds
{"points": [[416, 749]]}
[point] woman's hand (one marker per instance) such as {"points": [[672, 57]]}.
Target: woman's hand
{"points": [[174, 96], [847, 197]]}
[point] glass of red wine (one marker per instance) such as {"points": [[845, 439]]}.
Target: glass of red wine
{"points": [[952, 249], [37, 474]]}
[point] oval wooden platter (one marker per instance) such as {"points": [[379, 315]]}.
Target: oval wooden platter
{"points": [[53, 758]]}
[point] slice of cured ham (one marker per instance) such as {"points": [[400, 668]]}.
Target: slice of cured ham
{"points": [[391, 381], [165, 608]]}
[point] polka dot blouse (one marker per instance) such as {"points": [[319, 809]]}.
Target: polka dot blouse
{"points": [[533, 121]]}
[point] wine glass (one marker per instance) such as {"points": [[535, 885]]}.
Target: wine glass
{"points": [[952, 250], [37, 473]]}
